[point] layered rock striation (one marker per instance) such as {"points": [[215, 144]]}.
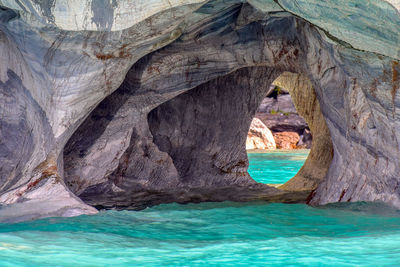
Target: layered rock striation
{"points": [[114, 103]]}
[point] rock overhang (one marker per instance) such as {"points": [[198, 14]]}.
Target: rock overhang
{"points": [[365, 25], [69, 68]]}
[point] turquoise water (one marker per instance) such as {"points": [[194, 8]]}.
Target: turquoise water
{"points": [[210, 234], [276, 167]]}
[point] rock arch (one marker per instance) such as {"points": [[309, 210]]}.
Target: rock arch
{"points": [[94, 140], [176, 72]]}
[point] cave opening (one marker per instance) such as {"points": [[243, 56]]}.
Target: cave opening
{"points": [[176, 129], [190, 147], [280, 142], [302, 106], [279, 139]]}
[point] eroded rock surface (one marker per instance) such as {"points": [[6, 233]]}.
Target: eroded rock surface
{"points": [[78, 80]]}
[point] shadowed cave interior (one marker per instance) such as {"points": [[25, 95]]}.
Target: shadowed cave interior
{"points": [[192, 148]]}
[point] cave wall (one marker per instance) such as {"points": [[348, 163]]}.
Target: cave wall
{"points": [[195, 142], [112, 163], [307, 105], [61, 74], [77, 86], [204, 130], [363, 122]]}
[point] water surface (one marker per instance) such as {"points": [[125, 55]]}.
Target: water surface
{"points": [[212, 234], [275, 167]]}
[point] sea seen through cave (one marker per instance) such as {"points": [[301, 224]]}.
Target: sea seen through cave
{"points": [[214, 234]]}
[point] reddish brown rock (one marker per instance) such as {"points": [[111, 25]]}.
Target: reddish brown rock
{"points": [[286, 140]]}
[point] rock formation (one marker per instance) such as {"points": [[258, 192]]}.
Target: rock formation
{"points": [[259, 136], [286, 140], [281, 104], [278, 111], [114, 103]]}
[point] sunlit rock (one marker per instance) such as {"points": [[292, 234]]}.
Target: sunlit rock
{"points": [[259, 136], [286, 140]]}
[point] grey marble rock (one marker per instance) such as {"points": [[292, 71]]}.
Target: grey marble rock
{"points": [[133, 103], [283, 122], [281, 104]]}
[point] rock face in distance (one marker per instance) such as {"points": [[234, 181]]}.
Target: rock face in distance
{"points": [[259, 136], [104, 96], [279, 114], [282, 103], [283, 122], [286, 140]]}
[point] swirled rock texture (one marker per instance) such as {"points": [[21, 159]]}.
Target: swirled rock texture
{"points": [[114, 103]]}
